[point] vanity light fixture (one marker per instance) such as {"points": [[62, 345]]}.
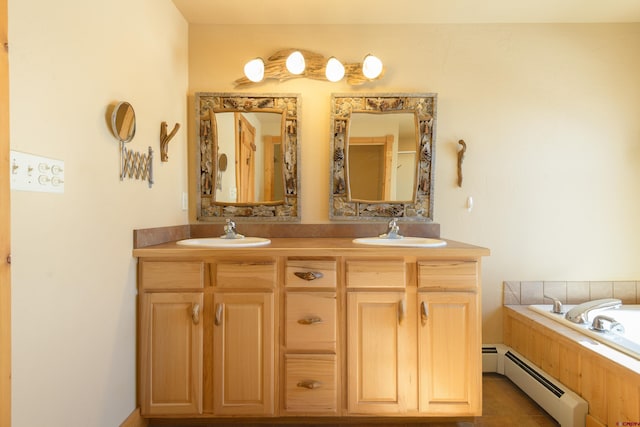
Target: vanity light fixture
{"points": [[254, 70], [293, 63], [371, 66], [334, 70]]}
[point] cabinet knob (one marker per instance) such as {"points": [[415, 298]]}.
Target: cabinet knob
{"points": [[310, 321], [309, 384], [424, 313], [218, 319], [309, 275], [195, 313], [401, 310]]}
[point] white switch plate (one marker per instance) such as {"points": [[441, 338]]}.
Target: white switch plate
{"points": [[29, 172], [185, 201]]}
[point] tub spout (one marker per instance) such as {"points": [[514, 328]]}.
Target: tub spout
{"points": [[580, 313]]}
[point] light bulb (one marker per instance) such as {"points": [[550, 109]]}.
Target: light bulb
{"points": [[295, 63], [254, 70], [371, 67], [334, 70]]}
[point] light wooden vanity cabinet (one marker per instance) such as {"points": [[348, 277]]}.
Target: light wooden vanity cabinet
{"points": [[171, 337], [378, 337], [303, 328], [386, 308], [244, 336], [224, 309], [310, 366], [449, 338]]}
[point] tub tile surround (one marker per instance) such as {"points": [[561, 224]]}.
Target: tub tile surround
{"points": [[572, 292]]}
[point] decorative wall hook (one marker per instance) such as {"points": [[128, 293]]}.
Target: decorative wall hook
{"points": [[460, 159], [164, 140]]}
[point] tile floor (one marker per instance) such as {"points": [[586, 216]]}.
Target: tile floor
{"points": [[504, 405]]}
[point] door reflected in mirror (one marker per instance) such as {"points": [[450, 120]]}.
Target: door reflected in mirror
{"points": [[252, 144], [382, 157], [383, 151], [246, 160]]}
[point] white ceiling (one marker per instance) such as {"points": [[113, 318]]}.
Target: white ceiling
{"points": [[407, 11]]}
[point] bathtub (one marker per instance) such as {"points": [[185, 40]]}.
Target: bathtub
{"points": [[628, 315]]}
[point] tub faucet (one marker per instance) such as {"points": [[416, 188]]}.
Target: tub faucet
{"points": [[580, 313], [557, 305], [600, 322], [230, 231], [393, 232]]}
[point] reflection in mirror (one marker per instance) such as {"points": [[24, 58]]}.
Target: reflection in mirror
{"points": [[254, 164], [123, 122], [386, 139], [258, 137], [382, 152]]}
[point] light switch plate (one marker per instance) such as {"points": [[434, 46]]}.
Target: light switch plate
{"points": [[29, 172]]}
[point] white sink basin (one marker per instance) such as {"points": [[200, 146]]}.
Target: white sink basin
{"points": [[218, 242], [412, 242]]}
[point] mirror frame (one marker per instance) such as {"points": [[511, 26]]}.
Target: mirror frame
{"points": [[423, 106], [210, 103]]}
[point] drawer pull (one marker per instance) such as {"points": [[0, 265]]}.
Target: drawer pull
{"points": [[309, 275], [195, 313], [309, 384], [424, 313], [310, 321], [218, 319]]}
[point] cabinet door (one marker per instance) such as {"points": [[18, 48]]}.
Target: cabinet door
{"points": [[243, 354], [449, 354], [171, 353], [376, 352]]}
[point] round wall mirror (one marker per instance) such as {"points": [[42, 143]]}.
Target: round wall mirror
{"points": [[123, 122]]}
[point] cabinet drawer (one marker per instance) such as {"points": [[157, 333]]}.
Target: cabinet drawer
{"points": [[310, 321], [310, 383], [258, 274], [376, 274], [310, 274], [171, 275], [448, 274]]}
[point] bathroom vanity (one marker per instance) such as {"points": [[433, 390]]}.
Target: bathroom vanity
{"points": [[314, 327]]}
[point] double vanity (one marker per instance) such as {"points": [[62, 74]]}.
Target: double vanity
{"points": [[309, 320], [309, 326]]}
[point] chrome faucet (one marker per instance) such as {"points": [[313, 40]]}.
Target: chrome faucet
{"points": [[557, 305], [580, 313], [230, 231], [393, 232], [600, 322]]}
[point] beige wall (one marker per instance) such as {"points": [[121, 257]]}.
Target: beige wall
{"points": [[550, 114], [73, 274]]}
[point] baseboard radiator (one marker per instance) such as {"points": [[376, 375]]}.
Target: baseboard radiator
{"points": [[565, 406]]}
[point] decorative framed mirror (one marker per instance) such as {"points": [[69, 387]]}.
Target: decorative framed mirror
{"points": [[247, 156], [382, 148]]}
